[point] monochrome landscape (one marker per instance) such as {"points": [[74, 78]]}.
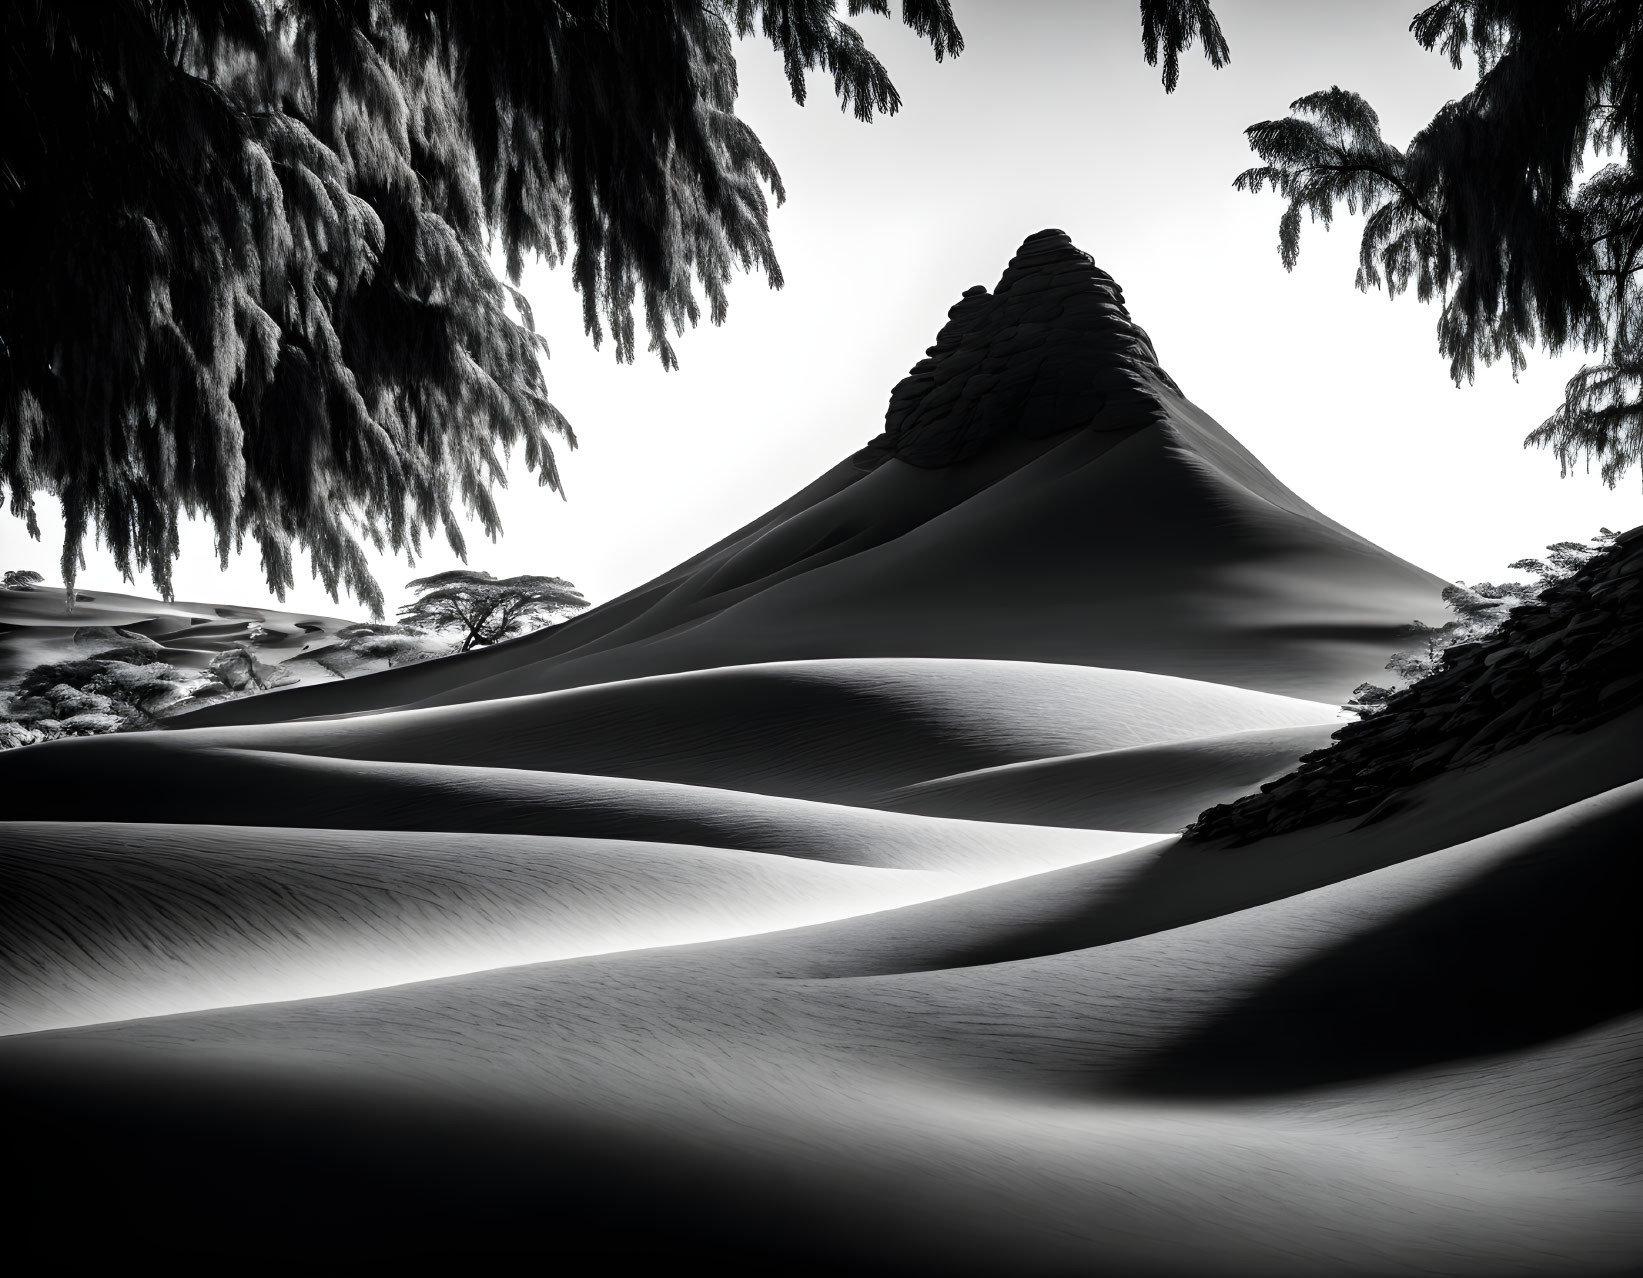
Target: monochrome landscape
{"points": [[1001, 856]]}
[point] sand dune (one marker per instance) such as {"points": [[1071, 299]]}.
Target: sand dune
{"points": [[257, 787], [813, 908], [109, 922], [834, 730], [1145, 787], [36, 626]]}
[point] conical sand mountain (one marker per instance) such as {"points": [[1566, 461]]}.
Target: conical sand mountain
{"points": [[1041, 492]]}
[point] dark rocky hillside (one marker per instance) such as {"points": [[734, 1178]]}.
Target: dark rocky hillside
{"points": [[1565, 664]]}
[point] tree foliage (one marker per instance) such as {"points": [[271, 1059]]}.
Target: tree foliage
{"points": [[1168, 28], [253, 283], [1485, 209], [92, 695], [484, 609], [251, 278]]}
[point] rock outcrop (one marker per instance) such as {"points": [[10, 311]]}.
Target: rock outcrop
{"points": [[1565, 664], [1050, 349]]}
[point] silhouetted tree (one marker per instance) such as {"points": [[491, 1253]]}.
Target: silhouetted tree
{"points": [[485, 609], [1484, 208], [1168, 28], [1562, 558], [248, 276], [20, 578]]}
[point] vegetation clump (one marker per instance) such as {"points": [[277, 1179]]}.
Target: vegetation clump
{"points": [[484, 610], [1486, 209], [133, 685], [1480, 610], [90, 695]]}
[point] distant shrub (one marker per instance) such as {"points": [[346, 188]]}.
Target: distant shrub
{"points": [[97, 694], [148, 693], [13, 735], [384, 645], [21, 579], [72, 674], [241, 671], [68, 701], [29, 709], [85, 725]]}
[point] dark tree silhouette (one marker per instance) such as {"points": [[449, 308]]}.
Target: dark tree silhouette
{"points": [[20, 578], [249, 278], [1168, 28], [256, 286], [1485, 210], [484, 608]]}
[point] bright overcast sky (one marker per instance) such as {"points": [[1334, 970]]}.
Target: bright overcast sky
{"points": [[1049, 118]]}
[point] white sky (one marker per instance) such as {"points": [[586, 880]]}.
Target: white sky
{"points": [[1049, 118]]}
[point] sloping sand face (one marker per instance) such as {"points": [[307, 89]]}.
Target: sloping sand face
{"points": [[816, 908]]}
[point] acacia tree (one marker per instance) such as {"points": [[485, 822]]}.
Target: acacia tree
{"points": [[1485, 208], [250, 278], [485, 609]]}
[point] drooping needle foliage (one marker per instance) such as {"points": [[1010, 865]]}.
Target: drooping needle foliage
{"points": [[249, 273], [1486, 208]]}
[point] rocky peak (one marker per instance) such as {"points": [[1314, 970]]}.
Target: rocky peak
{"points": [[1051, 348]]}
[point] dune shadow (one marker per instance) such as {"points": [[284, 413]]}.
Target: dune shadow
{"points": [[1542, 945], [1156, 787], [181, 1160]]}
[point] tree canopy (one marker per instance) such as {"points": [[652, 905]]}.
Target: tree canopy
{"points": [[1485, 208], [484, 609], [250, 279]]}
